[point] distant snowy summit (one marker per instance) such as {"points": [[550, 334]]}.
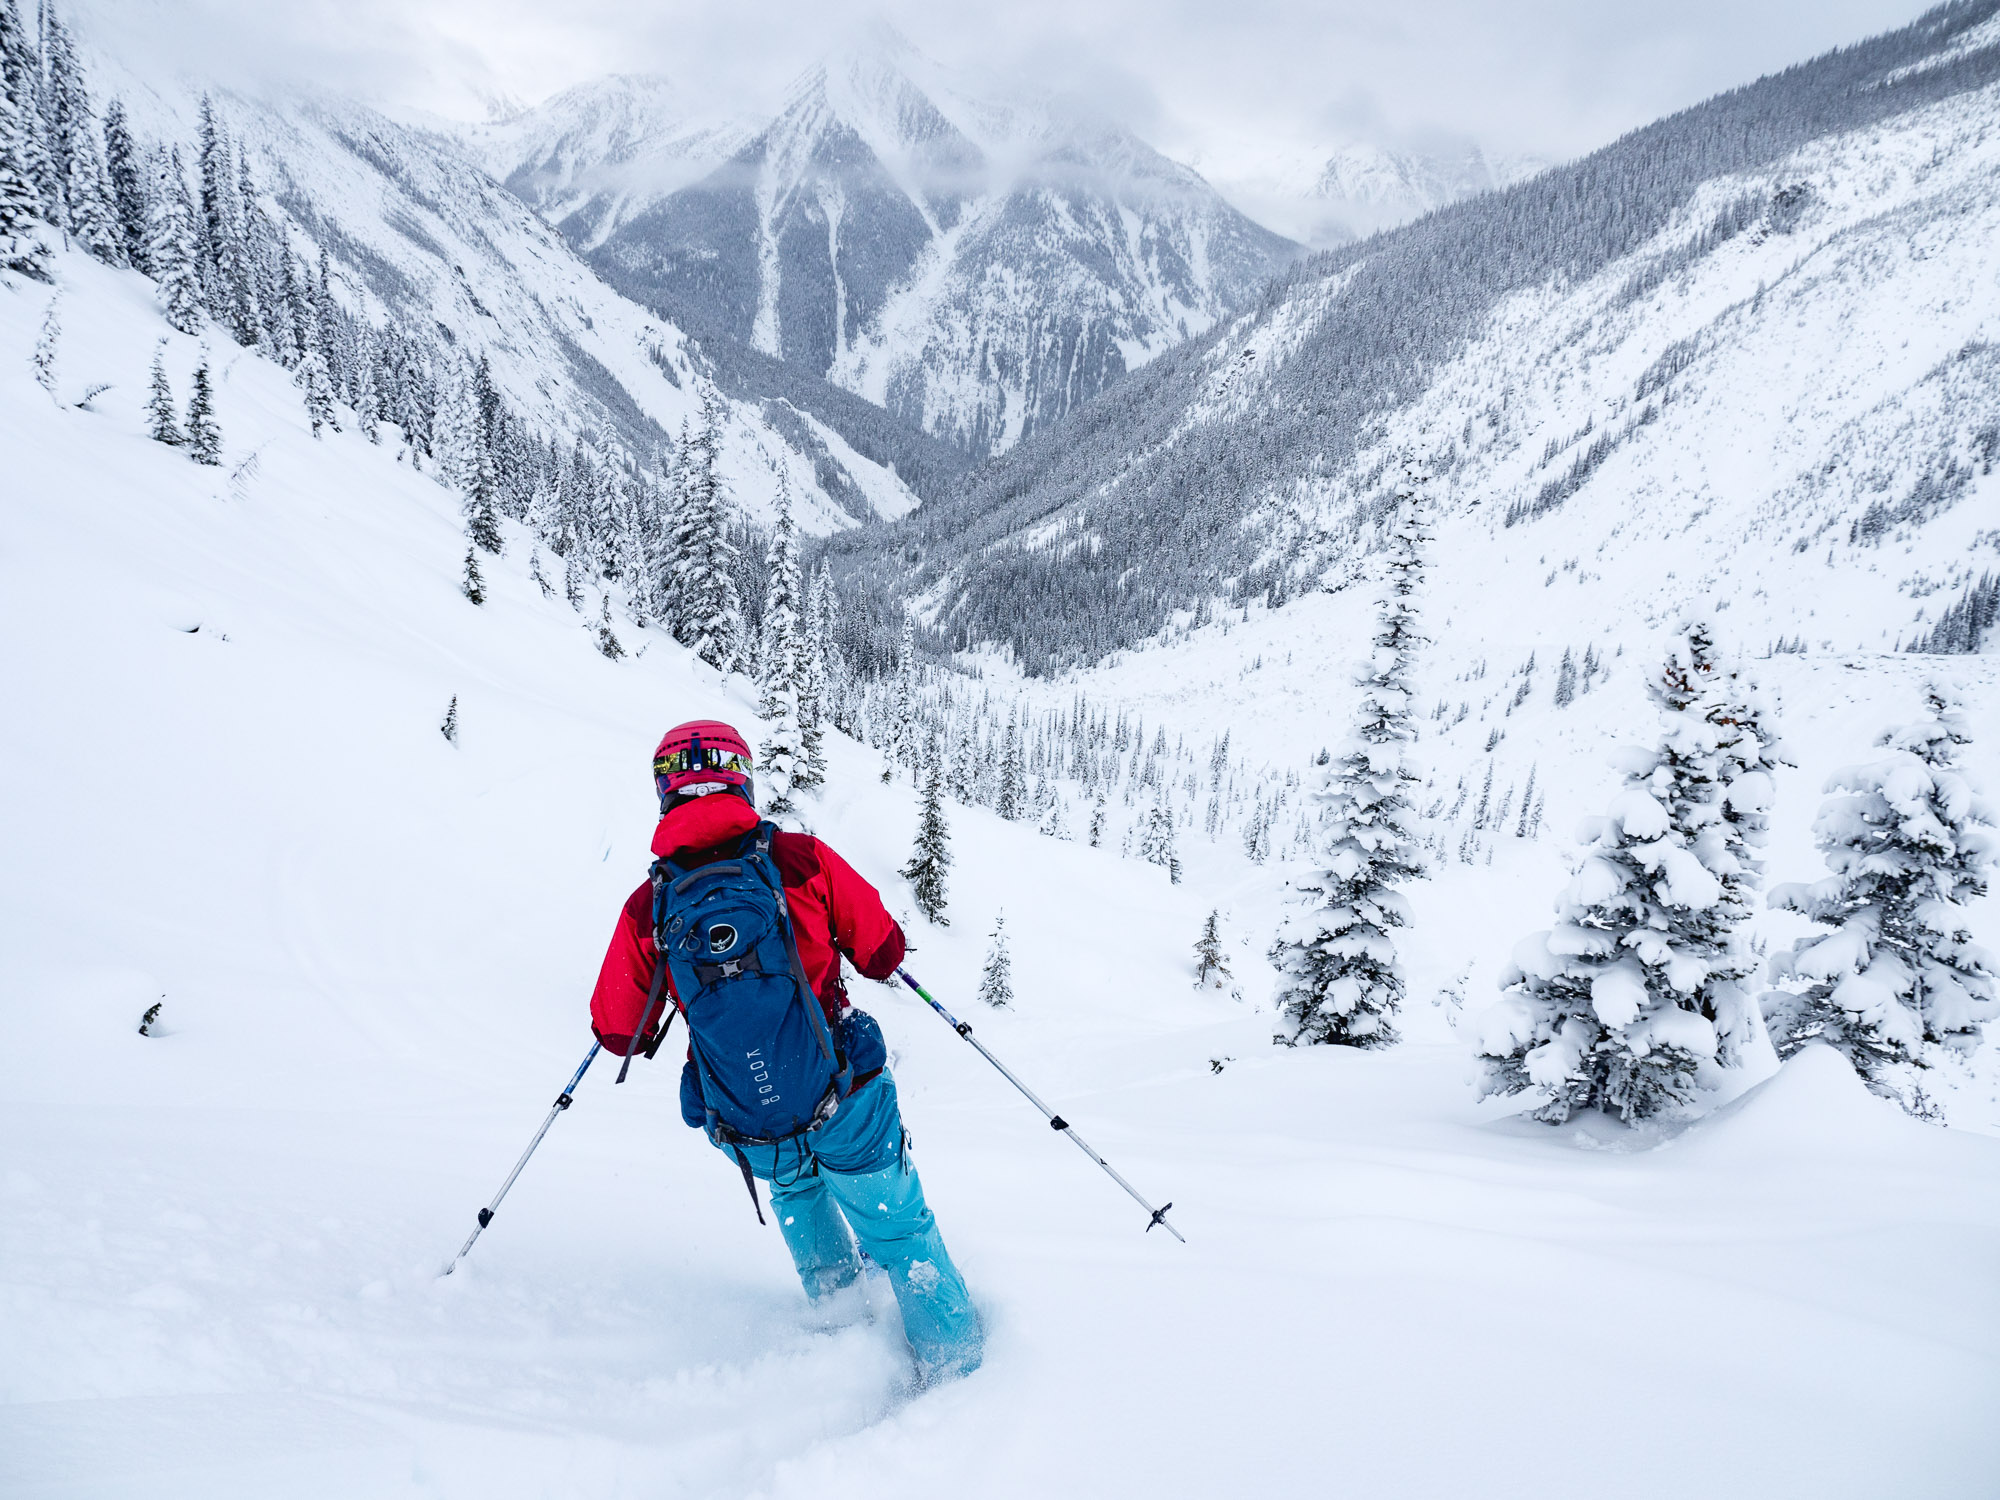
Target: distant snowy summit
{"points": [[976, 264], [594, 154], [1326, 198]]}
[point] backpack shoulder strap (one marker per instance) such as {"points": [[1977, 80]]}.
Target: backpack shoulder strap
{"points": [[659, 984]]}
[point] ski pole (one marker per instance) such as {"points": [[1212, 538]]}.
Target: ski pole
{"points": [[1159, 1215], [563, 1102]]}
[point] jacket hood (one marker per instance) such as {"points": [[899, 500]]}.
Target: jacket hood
{"points": [[703, 823]]}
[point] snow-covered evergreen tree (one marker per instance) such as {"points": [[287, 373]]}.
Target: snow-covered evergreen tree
{"points": [[172, 248], [1639, 991], [472, 583], [903, 746], [704, 614], [367, 399], [48, 345], [1909, 841], [449, 727], [1343, 983], [1157, 844], [813, 685], [781, 664], [931, 858], [607, 643], [20, 202], [204, 433], [128, 186], [1211, 968], [162, 421], [1010, 799], [996, 977], [318, 392]]}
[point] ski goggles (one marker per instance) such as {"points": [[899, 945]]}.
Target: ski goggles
{"points": [[700, 758]]}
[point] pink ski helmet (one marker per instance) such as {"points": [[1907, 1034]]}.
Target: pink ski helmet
{"points": [[701, 756]]}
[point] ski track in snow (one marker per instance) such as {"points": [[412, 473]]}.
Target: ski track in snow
{"points": [[219, 1246]]}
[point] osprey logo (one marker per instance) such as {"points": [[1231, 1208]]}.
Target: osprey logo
{"points": [[721, 938]]}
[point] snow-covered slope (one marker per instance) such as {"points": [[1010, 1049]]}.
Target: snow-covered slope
{"points": [[976, 265], [219, 1244], [419, 234]]}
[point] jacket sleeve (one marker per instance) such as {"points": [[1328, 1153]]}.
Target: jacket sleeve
{"points": [[626, 978], [862, 926]]}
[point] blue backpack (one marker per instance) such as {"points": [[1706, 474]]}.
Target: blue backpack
{"points": [[768, 1064]]}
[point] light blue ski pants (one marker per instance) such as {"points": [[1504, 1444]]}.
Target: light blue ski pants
{"points": [[854, 1174]]}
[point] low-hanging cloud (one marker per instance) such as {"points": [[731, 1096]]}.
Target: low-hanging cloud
{"points": [[1546, 76]]}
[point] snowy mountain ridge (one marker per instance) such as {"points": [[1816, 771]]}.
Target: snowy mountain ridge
{"points": [[977, 265], [1328, 197], [417, 233]]}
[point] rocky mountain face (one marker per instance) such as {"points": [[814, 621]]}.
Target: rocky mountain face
{"points": [[976, 266], [415, 232]]}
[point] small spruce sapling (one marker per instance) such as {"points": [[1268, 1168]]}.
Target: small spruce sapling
{"points": [[46, 344], [473, 584], [449, 727], [152, 1016], [996, 979], [1211, 969], [607, 643], [204, 433], [163, 423]]}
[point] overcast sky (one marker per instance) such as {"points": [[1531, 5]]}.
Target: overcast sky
{"points": [[1207, 79]]}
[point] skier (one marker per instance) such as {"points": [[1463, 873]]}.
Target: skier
{"points": [[849, 1165]]}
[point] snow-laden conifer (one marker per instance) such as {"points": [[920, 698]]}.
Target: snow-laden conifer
{"points": [[780, 664], [449, 726], [813, 684], [608, 643], [931, 857], [20, 202], [48, 344], [1343, 983], [1157, 844], [318, 392], [1010, 798], [367, 399], [472, 583], [996, 977], [128, 186], [705, 615], [204, 432], [1638, 993], [1909, 841], [172, 249], [1211, 967], [162, 420]]}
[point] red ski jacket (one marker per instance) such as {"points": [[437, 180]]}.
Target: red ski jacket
{"points": [[834, 911]]}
